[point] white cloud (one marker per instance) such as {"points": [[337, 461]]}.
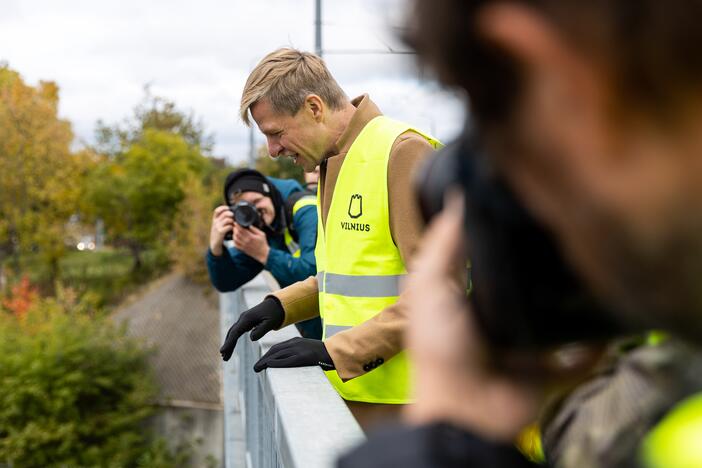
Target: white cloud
{"points": [[198, 54]]}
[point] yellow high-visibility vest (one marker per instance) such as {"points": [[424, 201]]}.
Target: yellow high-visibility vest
{"points": [[294, 247], [359, 266], [676, 441]]}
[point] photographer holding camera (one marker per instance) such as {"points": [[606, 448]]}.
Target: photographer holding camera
{"points": [[272, 224]]}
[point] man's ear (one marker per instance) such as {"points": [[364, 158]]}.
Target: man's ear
{"points": [[315, 106], [565, 97], [562, 109], [562, 75], [521, 31]]}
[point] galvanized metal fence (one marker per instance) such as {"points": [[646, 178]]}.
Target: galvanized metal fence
{"points": [[287, 418]]}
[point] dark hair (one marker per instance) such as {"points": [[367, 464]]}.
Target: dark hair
{"points": [[650, 49]]}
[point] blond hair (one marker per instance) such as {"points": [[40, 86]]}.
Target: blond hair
{"points": [[286, 77]]}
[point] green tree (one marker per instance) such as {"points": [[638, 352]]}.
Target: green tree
{"points": [[190, 232], [74, 391], [152, 113], [190, 237], [40, 178], [179, 218], [138, 193]]}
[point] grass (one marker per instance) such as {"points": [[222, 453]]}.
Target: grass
{"points": [[106, 275]]}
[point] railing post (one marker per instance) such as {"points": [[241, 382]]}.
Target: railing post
{"points": [[229, 310]]}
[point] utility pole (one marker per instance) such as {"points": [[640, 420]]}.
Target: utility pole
{"points": [[252, 148], [318, 27]]}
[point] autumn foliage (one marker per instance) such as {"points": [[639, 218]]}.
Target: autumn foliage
{"points": [[40, 177], [22, 296]]}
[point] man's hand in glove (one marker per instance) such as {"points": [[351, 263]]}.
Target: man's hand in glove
{"points": [[260, 319], [296, 352]]}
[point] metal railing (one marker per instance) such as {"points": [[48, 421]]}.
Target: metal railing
{"points": [[288, 418]]}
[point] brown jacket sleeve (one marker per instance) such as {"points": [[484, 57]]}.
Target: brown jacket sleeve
{"points": [[382, 336], [299, 301]]}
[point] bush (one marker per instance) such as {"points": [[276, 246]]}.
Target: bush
{"points": [[74, 391]]}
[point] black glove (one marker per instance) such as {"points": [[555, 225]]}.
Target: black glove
{"points": [[296, 352], [260, 319]]}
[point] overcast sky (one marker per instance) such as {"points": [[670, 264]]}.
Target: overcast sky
{"points": [[198, 54]]}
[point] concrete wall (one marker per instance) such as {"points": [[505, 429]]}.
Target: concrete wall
{"points": [[198, 426]]}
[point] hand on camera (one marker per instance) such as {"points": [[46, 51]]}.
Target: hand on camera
{"points": [[252, 241], [222, 223], [266, 316], [453, 380], [458, 378]]}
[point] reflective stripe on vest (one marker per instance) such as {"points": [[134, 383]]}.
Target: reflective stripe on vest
{"points": [[359, 286], [308, 200], [676, 441], [294, 247], [359, 265]]}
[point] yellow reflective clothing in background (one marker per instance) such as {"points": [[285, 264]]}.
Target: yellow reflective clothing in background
{"points": [[290, 243], [676, 441]]}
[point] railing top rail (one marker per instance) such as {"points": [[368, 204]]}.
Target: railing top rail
{"points": [[312, 425]]}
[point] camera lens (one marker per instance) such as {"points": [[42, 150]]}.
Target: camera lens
{"points": [[245, 214]]}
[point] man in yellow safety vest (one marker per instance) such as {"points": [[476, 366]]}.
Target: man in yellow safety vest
{"points": [[368, 227]]}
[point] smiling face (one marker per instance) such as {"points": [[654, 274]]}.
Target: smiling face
{"points": [[302, 137], [263, 204]]}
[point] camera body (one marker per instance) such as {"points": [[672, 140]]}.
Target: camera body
{"points": [[245, 215], [524, 293]]}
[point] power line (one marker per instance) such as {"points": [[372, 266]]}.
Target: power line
{"points": [[320, 51], [388, 51]]}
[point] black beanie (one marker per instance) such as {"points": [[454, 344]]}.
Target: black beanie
{"points": [[246, 180]]}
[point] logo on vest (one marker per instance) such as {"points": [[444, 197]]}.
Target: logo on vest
{"points": [[355, 211], [356, 206], [346, 226]]}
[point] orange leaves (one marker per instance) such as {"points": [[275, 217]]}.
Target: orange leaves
{"points": [[21, 298]]}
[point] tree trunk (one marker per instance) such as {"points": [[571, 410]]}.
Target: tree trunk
{"points": [[54, 274], [3, 279], [136, 254]]}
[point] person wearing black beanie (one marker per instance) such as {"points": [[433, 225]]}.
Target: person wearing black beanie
{"points": [[252, 186], [283, 208]]}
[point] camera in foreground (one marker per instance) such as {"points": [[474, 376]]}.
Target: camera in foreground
{"points": [[524, 293]]}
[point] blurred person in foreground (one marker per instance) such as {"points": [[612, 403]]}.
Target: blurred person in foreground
{"points": [[369, 225], [592, 113], [282, 242]]}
